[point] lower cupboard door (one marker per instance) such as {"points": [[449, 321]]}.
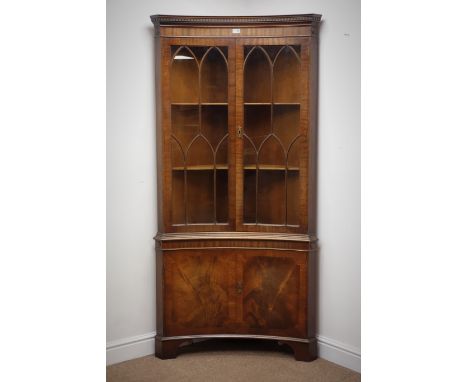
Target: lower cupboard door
{"points": [[198, 292], [274, 292]]}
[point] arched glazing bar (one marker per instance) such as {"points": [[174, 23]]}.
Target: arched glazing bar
{"points": [[214, 76], [286, 76], [199, 81], [271, 80], [185, 69]]}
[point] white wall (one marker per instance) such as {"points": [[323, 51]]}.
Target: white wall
{"points": [[131, 169]]}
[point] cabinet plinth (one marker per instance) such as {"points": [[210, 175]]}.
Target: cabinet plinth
{"points": [[236, 160]]}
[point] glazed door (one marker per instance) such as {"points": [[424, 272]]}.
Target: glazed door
{"points": [[199, 292], [271, 117], [274, 290], [198, 125]]}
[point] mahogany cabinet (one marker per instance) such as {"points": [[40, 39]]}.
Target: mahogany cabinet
{"points": [[236, 101]]}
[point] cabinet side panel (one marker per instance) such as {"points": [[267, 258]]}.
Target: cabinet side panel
{"points": [[159, 135], [312, 291], [313, 146], [159, 291]]}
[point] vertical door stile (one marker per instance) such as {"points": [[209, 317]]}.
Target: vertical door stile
{"points": [[232, 122], [239, 122]]}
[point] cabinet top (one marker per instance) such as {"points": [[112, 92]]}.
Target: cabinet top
{"points": [[165, 20]]}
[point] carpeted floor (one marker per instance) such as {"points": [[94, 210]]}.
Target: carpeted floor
{"points": [[229, 361]]}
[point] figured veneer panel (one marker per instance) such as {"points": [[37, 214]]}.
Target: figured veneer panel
{"points": [[271, 294], [196, 291], [257, 75], [214, 76], [271, 197], [184, 78], [200, 196], [287, 76]]}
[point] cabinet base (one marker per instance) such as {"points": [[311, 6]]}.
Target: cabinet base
{"points": [[304, 349]]}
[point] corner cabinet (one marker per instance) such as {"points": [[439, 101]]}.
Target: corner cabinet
{"points": [[236, 161]]}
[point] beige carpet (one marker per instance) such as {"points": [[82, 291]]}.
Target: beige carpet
{"points": [[229, 361]]}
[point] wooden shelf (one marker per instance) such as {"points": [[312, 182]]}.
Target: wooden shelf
{"points": [[199, 103], [272, 103], [201, 167], [270, 167], [286, 103]]}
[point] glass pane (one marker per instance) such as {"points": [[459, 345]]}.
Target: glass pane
{"points": [[185, 123], [178, 205], [271, 197], [286, 76], [257, 122], [293, 198], [250, 205], [272, 100], [222, 154], [200, 154], [222, 196], [214, 123], [257, 75], [200, 196], [177, 156], [199, 131], [184, 77], [250, 181], [295, 152], [286, 123], [271, 154], [222, 181], [178, 198], [214, 77]]}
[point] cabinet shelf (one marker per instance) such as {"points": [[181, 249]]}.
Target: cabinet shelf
{"points": [[272, 103], [201, 167], [270, 167], [287, 103], [199, 103]]}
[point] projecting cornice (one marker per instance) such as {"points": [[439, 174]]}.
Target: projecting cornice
{"points": [[161, 20]]}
